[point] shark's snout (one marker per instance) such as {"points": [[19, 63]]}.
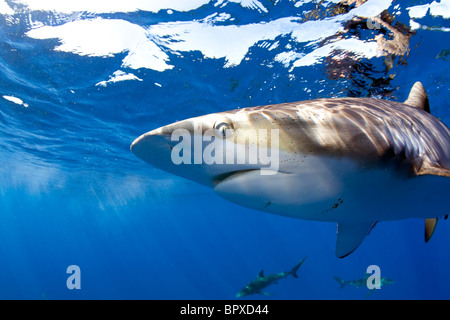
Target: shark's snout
{"points": [[202, 149], [152, 146], [156, 145], [173, 148]]}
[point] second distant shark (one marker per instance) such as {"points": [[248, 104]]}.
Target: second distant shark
{"points": [[362, 282]]}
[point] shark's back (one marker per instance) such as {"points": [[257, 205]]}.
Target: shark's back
{"points": [[365, 129]]}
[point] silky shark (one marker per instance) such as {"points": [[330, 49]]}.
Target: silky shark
{"points": [[362, 282], [354, 161], [262, 281]]}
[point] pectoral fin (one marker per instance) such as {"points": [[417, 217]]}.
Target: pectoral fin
{"points": [[350, 236], [430, 225]]}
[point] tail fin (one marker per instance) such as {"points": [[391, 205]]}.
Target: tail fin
{"points": [[293, 272], [341, 282]]}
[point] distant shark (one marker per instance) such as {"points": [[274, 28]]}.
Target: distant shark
{"points": [[262, 281], [354, 161], [360, 283]]}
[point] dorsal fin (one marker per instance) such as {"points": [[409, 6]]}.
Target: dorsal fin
{"points": [[261, 274], [418, 97]]}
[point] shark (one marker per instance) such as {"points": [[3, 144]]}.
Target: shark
{"points": [[362, 282], [261, 282], [350, 161]]}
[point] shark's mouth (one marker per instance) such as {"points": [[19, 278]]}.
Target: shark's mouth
{"points": [[222, 177]]}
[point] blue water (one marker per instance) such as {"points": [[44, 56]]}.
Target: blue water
{"points": [[72, 193]]}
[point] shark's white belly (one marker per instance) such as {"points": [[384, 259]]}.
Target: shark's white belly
{"points": [[339, 190]]}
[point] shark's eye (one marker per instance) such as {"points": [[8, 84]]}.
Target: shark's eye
{"points": [[223, 128]]}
